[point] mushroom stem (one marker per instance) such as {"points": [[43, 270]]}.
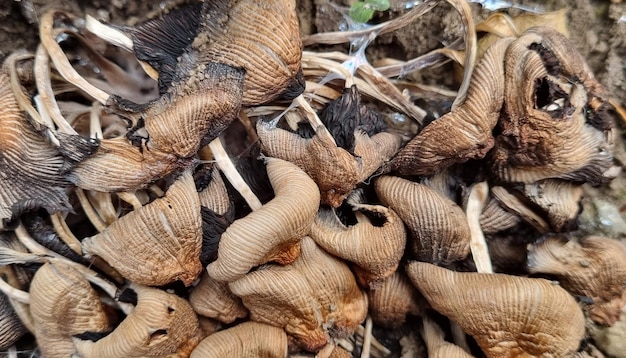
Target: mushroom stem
{"points": [[12, 352], [103, 205], [360, 330], [310, 113], [462, 7], [44, 119], [95, 126], [130, 198], [61, 62], [478, 245], [108, 33], [14, 293], [458, 336], [228, 168], [367, 338], [90, 212], [65, 234], [327, 351]]}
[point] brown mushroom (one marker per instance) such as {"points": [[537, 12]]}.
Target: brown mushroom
{"points": [[211, 298], [313, 299], [593, 267], [557, 125], [436, 224], [507, 315], [335, 170], [374, 247], [495, 218], [11, 328], [559, 200], [248, 339], [390, 303], [436, 344], [157, 243], [272, 232], [63, 305], [464, 133], [161, 325]]}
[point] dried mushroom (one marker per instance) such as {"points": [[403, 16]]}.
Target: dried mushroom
{"points": [[31, 169], [557, 124], [375, 247], [313, 299], [390, 303], [507, 315], [11, 328], [495, 218], [63, 305], [161, 325], [157, 243], [437, 226], [436, 344], [272, 232], [263, 38], [465, 132], [559, 199], [248, 339], [593, 267], [335, 170], [211, 298]]}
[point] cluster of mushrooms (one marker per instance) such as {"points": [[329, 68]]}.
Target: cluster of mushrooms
{"points": [[200, 186]]}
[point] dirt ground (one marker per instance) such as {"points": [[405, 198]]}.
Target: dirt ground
{"points": [[597, 28]]}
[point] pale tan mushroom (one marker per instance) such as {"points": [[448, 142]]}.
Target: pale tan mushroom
{"points": [[495, 218], [211, 298], [436, 345], [215, 196], [396, 298], [161, 325], [437, 226], [506, 315], [248, 339], [157, 243], [63, 305], [375, 248], [272, 232], [314, 299], [593, 267], [559, 200]]}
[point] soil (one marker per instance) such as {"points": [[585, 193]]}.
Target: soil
{"points": [[597, 28]]}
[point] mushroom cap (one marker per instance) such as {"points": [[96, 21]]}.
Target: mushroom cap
{"points": [[559, 199], [248, 339], [593, 266], [158, 243], [507, 315], [162, 324], [436, 224], [63, 304], [11, 328], [211, 298], [313, 299], [390, 303], [269, 233], [495, 218]]}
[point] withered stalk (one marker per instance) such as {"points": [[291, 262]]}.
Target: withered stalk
{"points": [[478, 245]]}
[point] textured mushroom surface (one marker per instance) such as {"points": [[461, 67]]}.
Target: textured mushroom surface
{"points": [[211, 298], [396, 298], [438, 227], [248, 339], [269, 233], [11, 328], [593, 266], [158, 243], [507, 315], [313, 299], [161, 325], [63, 304], [436, 344]]}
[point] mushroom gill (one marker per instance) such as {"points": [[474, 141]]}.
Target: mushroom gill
{"points": [[593, 267], [157, 243], [161, 325], [272, 232], [314, 299], [437, 226], [335, 170], [465, 132], [390, 303], [557, 124], [375, 248], [211, 298], [31, 169], [248, 339], [507, 315], [63, 304]]}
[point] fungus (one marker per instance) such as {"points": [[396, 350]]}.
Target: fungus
{"points": [[436, 344], [211, 298], [390, 303]]}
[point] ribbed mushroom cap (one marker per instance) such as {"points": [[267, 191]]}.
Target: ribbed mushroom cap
{"points": [[390, 303], [559, 199], [269, 233], [436, 224], [495, 218], [11, 328], [593, 266], [161, 325], [211, 298], [248, 339], [507, 315], [158, 243], [313, 299], [63, 304]]}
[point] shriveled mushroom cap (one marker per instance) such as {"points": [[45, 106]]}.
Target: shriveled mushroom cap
{"points": [[390, 303], [376, 249], [11, 328], [495, 218], [334, 169], [559, 199], [437, 225], [248, 339], [313, 299], [507, 315], [211, 298], [215, 195], [593, 266], [269, 233], [63, 304], [161, 325], [158, 243]]}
